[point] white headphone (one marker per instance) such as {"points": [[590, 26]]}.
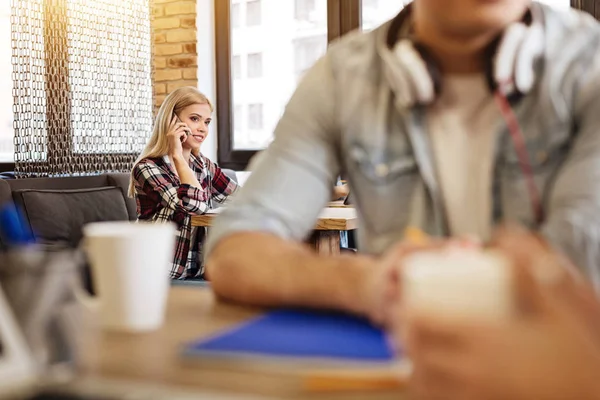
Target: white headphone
{"points": [[511, 69]]}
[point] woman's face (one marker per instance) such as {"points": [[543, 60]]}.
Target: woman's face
{"points": [[197, 117]]}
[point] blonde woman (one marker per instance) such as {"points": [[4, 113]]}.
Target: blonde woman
{"points": [[171, 180]]}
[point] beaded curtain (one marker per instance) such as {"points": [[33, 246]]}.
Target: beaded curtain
{"points": [[82, 85]]}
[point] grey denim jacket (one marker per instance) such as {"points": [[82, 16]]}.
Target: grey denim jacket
{"points": [[343, 118]]}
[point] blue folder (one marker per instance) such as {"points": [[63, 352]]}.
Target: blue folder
{"points": [[299, 335]]}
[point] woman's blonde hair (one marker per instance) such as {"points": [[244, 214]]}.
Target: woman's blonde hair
{"points": [[158, 145]]}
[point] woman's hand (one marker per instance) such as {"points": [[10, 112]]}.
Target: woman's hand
{"points": [[177, 135], [551, 350]]}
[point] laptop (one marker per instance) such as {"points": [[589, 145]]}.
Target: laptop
{"points": [[20, 381]]}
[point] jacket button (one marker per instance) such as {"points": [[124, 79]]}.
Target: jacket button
{"points": [[382, 170]]}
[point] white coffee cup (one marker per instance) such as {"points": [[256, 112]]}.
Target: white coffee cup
{"points": [[130, 269], [458, 283]]}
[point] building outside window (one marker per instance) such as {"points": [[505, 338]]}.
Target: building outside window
{"points": [[253, 13], [255, 65]]}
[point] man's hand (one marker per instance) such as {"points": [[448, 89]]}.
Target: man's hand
{"points": [[383, 287], [550, 350]]}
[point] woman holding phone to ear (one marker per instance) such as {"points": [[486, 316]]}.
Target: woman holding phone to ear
{"points": [[172, 180]]}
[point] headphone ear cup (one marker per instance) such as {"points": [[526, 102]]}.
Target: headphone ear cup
{"points": [[514, 63], [420, 83], [531, 49], [506, 57]]}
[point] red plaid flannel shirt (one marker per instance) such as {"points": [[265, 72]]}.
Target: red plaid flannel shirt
{"points": [[160, 196]]}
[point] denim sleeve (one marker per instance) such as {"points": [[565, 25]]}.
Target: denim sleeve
{"points": [[573, 223], [293, 180]]}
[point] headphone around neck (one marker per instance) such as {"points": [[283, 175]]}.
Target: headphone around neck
{"points": [[510, 60], [510, 63]]}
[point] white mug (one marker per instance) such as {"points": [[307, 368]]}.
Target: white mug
{"points": [[130, 264]]}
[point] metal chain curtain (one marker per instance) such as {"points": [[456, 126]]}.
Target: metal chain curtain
{"points": [[591, 6], [82, 85]]}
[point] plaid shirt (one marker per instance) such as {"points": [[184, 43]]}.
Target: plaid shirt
{"points": [[160, 196]]}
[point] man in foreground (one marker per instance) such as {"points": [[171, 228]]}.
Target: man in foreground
{"points": [[454, 116]]}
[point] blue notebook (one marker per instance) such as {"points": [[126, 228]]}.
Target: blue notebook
{"points": [[301, 336]]}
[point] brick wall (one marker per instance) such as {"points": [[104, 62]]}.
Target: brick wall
{"points": [[175, 56]]}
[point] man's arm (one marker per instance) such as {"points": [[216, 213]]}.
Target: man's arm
{"points": [[254, 251], [573, 223], [265, 270]]}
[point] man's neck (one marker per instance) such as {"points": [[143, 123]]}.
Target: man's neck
{"points": [[455, 55], [455, 52]]}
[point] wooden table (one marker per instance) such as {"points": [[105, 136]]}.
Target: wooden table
{"points": [[153, 358], [325, 238]]}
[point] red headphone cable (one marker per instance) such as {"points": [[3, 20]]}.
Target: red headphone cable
{"points": [[518, 141]]}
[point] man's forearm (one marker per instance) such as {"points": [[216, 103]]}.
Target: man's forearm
{"points": [[264, 270]]}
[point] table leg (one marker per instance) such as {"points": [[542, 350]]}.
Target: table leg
{"points": [[326, 242]]}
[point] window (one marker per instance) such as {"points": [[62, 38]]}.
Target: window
{"points": [[255, 116], [376, 12], [255, 67], [253, 13], [367, 4], [237, 120], [304, 10], [307, 51], [270, 66], [236, 10], [564, 4], [7, 149], [236, 67]]}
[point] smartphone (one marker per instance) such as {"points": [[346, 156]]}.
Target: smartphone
{"points": [[188, 131]]}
